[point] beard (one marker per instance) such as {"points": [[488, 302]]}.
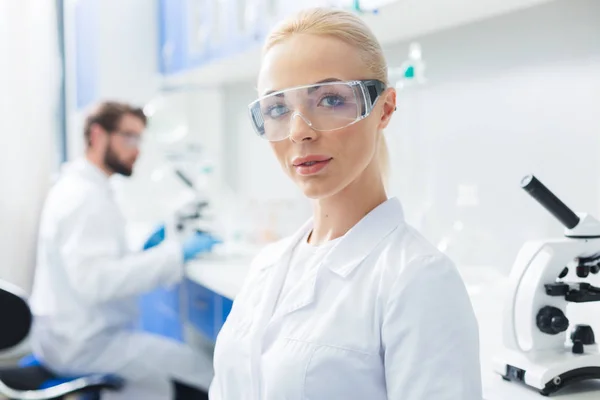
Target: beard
{"points": [[111, 160]]}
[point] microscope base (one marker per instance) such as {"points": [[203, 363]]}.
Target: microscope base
{"points": [[549, 372]]}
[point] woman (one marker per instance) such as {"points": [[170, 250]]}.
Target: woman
{"points": [[356, 304]]}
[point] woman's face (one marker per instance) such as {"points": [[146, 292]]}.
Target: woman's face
{"points": [[343, 155]]}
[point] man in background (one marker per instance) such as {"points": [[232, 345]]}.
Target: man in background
{"points": [[87, 283]]}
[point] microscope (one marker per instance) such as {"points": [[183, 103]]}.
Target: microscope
{"points": [[542, 349], [192, 216]]}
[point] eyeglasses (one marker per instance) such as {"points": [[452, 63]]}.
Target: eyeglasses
{"points": [[325, 106], [132, 140]]}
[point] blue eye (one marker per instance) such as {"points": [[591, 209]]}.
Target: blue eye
{"points": [[332, 101], [276, 111]]}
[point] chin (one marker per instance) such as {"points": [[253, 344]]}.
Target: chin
{"points": [[318, 190]]}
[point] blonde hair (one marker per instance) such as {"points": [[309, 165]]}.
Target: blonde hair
{"points": [[349, 28]]}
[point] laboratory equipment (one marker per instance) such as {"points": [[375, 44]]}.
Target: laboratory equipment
{"points": [[192, 215], [538, 349], [161, 309], [412, 71], [30, 380], [182, 171]]}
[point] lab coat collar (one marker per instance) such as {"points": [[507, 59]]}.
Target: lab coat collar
{"points": [[356, 244], [284, 246], [83, 167], [360, 241]]}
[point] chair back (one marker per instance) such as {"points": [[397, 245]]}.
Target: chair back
{"points": [[15, 316]]}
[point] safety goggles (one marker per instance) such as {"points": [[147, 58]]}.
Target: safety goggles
{"points": [[323, 106], [132, 140]]}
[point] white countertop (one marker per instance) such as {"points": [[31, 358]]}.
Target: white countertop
{"points": [[225, 275], [221, 274]]}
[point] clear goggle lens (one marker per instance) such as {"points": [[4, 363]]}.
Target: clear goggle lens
{"points": [[323, 106]]}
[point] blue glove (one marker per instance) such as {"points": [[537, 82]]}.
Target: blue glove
{"points": [[198, 243], [156, 237]]}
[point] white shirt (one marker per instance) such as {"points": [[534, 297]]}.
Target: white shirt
{"points": [[384, 315], [304, 261]]}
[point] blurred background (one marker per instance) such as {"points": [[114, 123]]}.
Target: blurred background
{"points": [[489, 91]]}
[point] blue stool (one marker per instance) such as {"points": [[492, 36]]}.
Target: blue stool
{"points": [[30, 380]]}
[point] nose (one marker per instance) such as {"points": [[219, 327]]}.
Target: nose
{"points": [[300, 128]]}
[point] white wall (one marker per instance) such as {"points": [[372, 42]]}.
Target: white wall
{"points": [[29, 79], [126, 43], [505, 97]]}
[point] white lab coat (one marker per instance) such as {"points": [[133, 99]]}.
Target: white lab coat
{"points": [[385, 316], [86, 290]]}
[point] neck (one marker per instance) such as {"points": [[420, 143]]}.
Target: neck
{"points": [[96, 160], [335, 215]]}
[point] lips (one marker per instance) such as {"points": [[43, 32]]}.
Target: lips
{"points": [[309, 160], [311, 165]]}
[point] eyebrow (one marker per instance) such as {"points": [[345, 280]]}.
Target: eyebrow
{"points": [[268, 92]]}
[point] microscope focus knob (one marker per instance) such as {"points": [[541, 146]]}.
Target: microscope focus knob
{"points": [[584, 333], [552, 320]]}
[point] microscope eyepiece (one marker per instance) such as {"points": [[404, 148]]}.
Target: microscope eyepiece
{"points": [[549, 201]]}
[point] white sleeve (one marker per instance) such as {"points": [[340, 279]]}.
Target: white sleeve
{"points": [[92, 256], [430, 335]]}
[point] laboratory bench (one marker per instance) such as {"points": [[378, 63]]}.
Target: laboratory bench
{"points": [[212, 282]]}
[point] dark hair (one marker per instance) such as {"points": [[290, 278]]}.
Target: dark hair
{"points": [[108, 115]]}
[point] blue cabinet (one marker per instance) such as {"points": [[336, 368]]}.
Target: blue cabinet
{"points": [[185, 29], [193, 33], [206, 310], [86, 46], [160, 313], [172, 36], [163, 311], [226, 308], [202, 309]]}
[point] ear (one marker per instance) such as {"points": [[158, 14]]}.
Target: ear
{"points": [[97, 135], [389, 106]]}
